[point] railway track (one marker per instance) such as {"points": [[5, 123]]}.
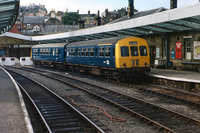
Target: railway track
{"points": [[164, 119], [57, 114]]}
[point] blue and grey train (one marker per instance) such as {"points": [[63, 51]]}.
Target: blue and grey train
{"points": [[119, 58]]}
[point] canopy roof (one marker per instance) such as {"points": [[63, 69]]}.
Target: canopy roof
{"points": [[8, 14], [175, 20]]}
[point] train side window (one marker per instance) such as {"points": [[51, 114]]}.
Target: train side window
{"points": [[79, 52], [87, 52], [76, 54], [59, 53], [107, 51], [113, 51], [73, 52], [47, 51], [56, 52], [134, 51], [67, 52], [91, 52], [53, 52], [95, 52], [143, 51], [101, 51], [124, 51], [82, 52]]}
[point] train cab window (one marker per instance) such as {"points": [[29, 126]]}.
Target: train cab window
{"points": [[143, 51], [82, 52], [107, 51], [91, 52], [101, 51], [134, 51], [87, 52], [124, 51]]}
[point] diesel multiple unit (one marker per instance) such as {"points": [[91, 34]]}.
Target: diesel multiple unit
{"points": [[121, 58]]}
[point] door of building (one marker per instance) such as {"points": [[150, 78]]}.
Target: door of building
{"points": [[152, 53]]}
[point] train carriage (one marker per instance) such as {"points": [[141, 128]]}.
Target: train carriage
{"points": [[121, 58], [49, 54]]}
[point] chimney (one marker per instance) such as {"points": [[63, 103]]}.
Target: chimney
{"points": [[173, 4], [130, 8], [88, 12], [98, 19]]}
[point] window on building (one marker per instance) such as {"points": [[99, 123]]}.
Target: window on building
{"points": [[134, 51], [164, 48], [187, 44], [91, 52], [107, 51], [124, 51], [101, 51], [28, 26], [143, 51], [87, 52]]}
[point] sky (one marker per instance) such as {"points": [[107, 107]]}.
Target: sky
{"points": [[94, 5]]}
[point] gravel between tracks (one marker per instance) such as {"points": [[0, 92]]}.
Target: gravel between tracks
{"points": [[131, 124]]}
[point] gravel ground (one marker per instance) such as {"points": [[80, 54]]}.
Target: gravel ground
{"points": [[132, 124]]}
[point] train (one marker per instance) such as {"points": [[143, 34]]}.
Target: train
{"points": [[120, 58]]}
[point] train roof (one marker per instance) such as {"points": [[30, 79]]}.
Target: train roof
{"points": [[55, 45], [112, 40]]}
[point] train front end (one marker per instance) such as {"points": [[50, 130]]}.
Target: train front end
{"points": [[132, 57]]}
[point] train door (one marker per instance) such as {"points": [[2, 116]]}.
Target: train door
{"points": [[152, 56]]}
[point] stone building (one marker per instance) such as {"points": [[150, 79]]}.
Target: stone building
{"points": [[88, 18], [31, 25], [32, 10]]}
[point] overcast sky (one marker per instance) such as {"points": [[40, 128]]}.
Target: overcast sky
{"points": [[93, 5]]}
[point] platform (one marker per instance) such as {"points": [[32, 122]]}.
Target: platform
{"points": [[176, 75], [13, 114], [186, 80]]}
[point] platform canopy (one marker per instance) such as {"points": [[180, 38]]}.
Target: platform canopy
{"points": [[168, 21], [8, 14]]}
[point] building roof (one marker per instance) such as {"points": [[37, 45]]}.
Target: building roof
{"points": [[55, 45], [112, 40], [34, 19], [8, 14], [141, 14]]}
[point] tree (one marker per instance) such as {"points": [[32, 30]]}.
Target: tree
{"points": [[71, 18]]}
